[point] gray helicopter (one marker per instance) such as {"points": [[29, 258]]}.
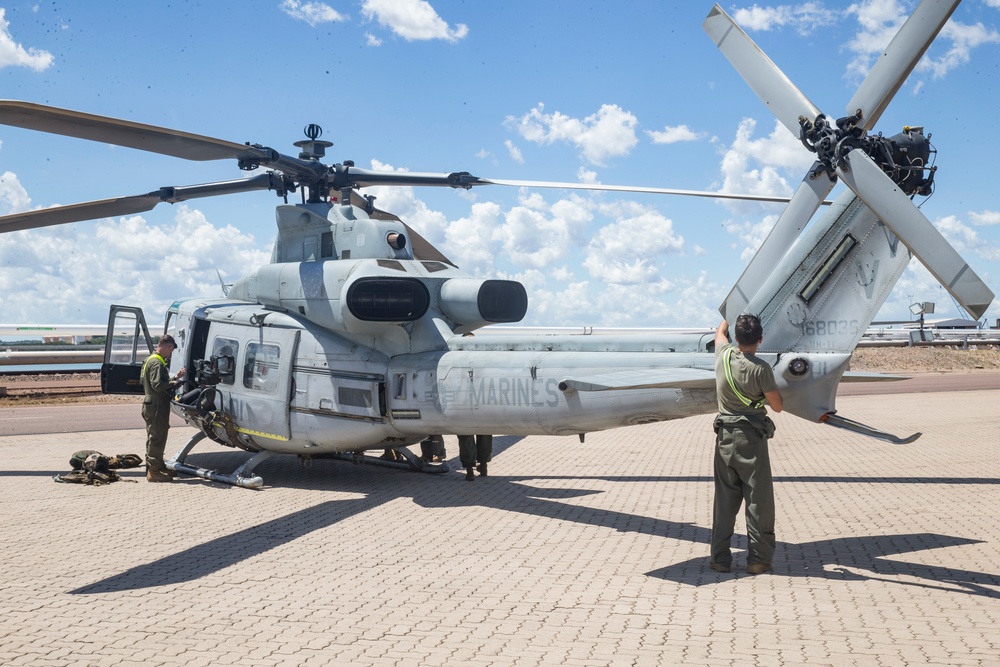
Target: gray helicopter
{"points": [[355, 336]]}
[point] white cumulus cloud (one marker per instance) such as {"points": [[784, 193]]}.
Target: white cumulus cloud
{"points": [[803, 18], [413, 20], [514, 151], [72, 273], [879, 20], [628, 251], [756, 165], [673, 135], [313, 13], [13, 197], [985, 218], [13, 54], [608, 133]]}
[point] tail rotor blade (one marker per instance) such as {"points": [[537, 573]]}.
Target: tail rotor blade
{"points": [[771, 85], [803, 205], [899, 59], [907, 222]]}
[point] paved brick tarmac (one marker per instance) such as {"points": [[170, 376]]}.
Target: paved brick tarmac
{"points": [[568, 554]]}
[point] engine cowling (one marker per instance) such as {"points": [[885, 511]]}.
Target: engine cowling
{"points": [[472, 303]]}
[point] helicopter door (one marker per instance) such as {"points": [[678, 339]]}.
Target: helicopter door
{"points": [[126, 347], [264, 384]]}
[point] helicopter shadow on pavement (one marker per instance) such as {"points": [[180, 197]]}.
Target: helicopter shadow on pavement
{"points": [[376, 486], [847, 558]]}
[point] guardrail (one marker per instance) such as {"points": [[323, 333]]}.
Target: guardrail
{"points": [[940, 337]]}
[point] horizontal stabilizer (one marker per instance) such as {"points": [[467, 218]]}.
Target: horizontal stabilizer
{"points": [[858, 427], [858, 376], [660, 378]]}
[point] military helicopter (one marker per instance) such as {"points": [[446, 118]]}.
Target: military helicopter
{"points": [[353, 337]]}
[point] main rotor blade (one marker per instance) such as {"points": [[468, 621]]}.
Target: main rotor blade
{"points": [[770, 84], [124, 133], [59, 215], [354, 177], [636, 188], [906, 221], [803, 205], [899, 59], [109, 208]]}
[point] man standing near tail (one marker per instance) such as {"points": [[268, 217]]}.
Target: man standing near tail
{"points": [[743, 383]]}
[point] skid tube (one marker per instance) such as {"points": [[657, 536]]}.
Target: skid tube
{"points": [[411, 461], [241, 477]]}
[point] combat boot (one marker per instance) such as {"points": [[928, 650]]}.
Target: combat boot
{"points": [[153, 475], [469, 475], [758, 568], [482, 469]]}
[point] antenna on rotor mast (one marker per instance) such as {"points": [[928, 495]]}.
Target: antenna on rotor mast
{"points": [[313, 149]]}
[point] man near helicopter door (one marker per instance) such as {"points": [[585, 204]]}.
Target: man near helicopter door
{"points": [[743, 383], [158, 387]]}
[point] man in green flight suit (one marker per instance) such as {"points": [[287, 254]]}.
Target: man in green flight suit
{"points": [[158, 387], [742, 466]]}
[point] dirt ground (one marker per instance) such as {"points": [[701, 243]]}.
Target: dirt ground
{"points": [[16, 390], [923, 359]]}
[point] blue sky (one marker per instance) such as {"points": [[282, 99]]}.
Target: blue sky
{"points": [[560, 90]]}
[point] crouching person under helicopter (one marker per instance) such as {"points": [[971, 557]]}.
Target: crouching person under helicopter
{"points": [[158, 387]]}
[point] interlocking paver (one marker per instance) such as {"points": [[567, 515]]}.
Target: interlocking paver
{"points": [[570, 553]]}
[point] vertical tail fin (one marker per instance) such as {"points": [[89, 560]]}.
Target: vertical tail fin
{"points": [[820, 298], [828, 288]]}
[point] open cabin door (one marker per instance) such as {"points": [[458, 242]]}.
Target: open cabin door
{"points": [[127, 346]]}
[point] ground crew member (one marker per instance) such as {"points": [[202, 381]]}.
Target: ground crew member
{"points": [[742, 465], [473, 448], [159, 388]]}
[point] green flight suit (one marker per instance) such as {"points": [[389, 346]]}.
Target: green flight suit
{"points": [[158, 388], [741, 463], [473, 448]]}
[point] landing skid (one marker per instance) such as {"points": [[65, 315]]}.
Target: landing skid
{"points": [[411, 462], [239, 477], [243, 476]]}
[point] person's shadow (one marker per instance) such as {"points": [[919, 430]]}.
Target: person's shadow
{"points": [[846, 558]]}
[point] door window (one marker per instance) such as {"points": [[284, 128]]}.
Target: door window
{"points": [[226, 347], [260, 370]]}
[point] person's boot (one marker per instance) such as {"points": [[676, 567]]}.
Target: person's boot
{"points": [[469, 475], [153, 475], [482, 469]]}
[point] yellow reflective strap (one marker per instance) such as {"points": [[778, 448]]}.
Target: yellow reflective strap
{"points": [[732, 385], [272, 436]]}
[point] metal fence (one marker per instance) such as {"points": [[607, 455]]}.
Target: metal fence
{"points": [[958, 338]]}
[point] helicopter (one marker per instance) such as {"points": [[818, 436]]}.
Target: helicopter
{"points": [[355, 336]]}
